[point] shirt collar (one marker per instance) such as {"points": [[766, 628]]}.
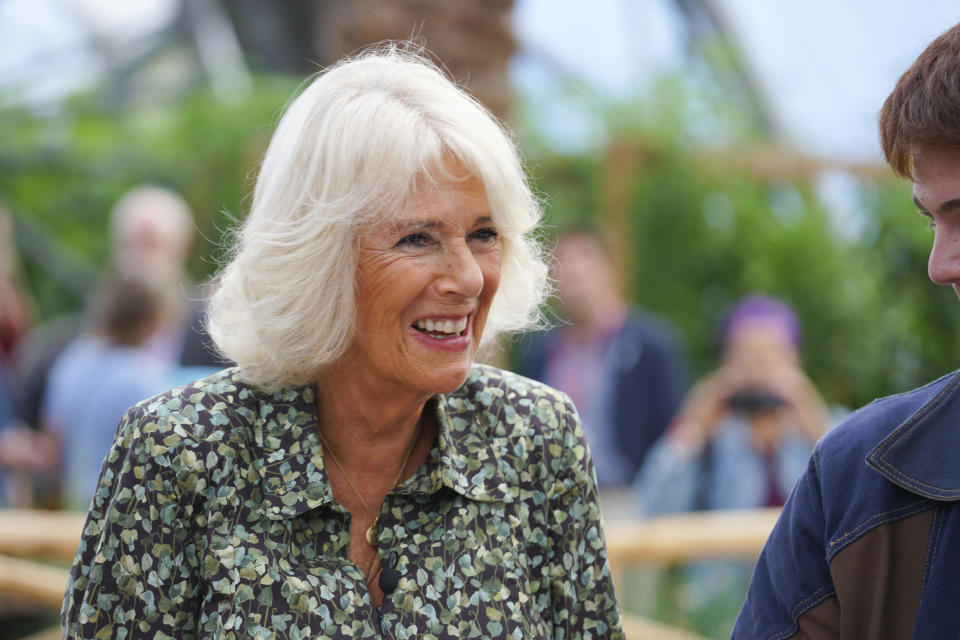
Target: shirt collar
{"points": [[291, 461], [921, 454], [465, 458]]}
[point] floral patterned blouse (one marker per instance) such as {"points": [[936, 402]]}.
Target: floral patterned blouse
{"points": [[213, 518]]}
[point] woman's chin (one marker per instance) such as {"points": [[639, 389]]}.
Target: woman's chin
{"points": [[443, 379]]}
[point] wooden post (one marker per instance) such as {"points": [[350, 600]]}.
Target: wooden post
{"points": [[33, 581], [52, 534], [687, 537], [619, 168]]}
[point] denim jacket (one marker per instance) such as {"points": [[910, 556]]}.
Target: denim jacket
{"points": [[868, 545]]}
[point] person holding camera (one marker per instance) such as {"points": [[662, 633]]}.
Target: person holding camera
{"points": [[744, 433]]}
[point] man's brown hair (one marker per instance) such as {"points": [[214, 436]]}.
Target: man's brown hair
{"points": [[127, 310], [924, 107]]}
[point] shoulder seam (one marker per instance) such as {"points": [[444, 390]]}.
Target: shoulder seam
{"points": [[818, 596]]}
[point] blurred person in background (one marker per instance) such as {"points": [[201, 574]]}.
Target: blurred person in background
{"points": [[152, 231], [622, 366], [740, 440], [358, 475], [97, 378], [744, 433], [16, 458], [868, 545], [15, 306]]}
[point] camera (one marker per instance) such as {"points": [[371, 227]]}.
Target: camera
{"points": [[752, 401]]}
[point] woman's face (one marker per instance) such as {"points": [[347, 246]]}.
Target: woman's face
{"points": [[758, 347], [425, 280]]}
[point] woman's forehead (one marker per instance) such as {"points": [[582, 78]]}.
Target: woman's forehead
{"points": [[441, 200]]}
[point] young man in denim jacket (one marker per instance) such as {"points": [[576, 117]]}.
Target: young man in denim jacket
{"points": [[868, 545]]}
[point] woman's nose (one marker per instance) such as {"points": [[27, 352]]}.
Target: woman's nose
{"points": [[944, 264], [462, 274]]}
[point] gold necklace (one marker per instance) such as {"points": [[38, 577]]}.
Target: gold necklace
{"points": [[373, 531]]}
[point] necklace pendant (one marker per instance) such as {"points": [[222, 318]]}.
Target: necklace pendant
{"points": [[373, 533]]}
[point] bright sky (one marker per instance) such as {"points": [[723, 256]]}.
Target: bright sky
{"points": [[49, 45], [825, 65]]}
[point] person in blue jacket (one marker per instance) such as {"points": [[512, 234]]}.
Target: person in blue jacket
{"points": [[868, 544], [623, 367]]}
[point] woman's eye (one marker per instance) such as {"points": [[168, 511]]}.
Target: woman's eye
{"points": [[414, 240], [487, 235]]}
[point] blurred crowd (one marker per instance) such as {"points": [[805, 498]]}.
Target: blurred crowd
{"points": [[738, 438], [65, 382]]}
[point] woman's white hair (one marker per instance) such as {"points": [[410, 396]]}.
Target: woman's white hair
{"points": [[353, 147]]}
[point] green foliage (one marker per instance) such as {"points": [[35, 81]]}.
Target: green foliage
{"points": [[702, 236], [60, 176], [701, 232]]}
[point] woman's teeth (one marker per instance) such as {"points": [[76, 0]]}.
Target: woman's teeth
{"points": [[441, 326]]}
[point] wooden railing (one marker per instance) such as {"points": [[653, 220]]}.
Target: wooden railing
{"points": [[690, 536], [665, 540], [51, 535], [680, 539]]}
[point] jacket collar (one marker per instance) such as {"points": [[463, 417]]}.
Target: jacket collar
{"points": [[291, 466], [922, 455]]}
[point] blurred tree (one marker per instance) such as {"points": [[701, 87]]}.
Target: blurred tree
{"points": [[710, 38], [61, 176], [701, 235], [281, 37], [699, 228], [471, 38]]}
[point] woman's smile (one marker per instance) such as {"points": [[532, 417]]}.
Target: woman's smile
{"points": [[443, 333]]}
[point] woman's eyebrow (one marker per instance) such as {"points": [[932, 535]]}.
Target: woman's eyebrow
{"points": [[417, 225], [433, 225]]}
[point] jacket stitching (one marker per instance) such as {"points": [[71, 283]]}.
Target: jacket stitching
{"points": [[941, 517], [908, 480], [916, 418], [802, 607], [931, 555], [877, 457], [887, 516]]}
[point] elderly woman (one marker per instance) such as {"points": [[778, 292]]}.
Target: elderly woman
{"points": [[356, 475]]}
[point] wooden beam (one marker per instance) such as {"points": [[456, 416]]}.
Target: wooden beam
{"points": [[770, 162], [33, 581], [51, 534], [622, 162], [639, 628], [667, 539], [46, 634], [687, 537]]}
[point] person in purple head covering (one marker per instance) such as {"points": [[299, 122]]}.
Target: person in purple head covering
{"points": [[741, 439], [744, 433]]}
